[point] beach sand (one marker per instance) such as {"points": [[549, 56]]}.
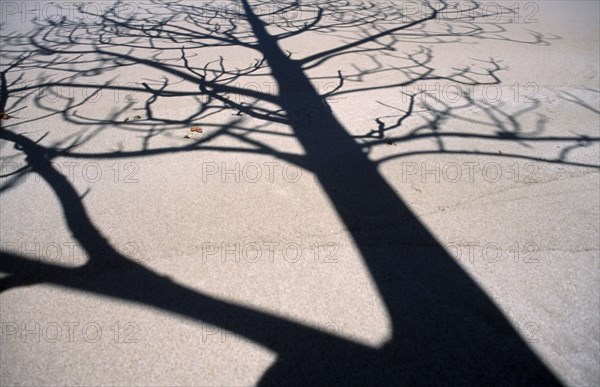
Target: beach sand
{"points": [[503, 173]]}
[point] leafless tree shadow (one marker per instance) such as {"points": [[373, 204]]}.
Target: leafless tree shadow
{"points": [[445, 328]]}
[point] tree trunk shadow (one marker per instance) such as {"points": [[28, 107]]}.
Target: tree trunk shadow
{"points": [[444, 326]]}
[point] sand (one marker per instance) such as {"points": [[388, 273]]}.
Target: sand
{"points": [[233, 233]]}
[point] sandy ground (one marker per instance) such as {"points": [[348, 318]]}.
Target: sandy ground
{"points": [[253, 230]]}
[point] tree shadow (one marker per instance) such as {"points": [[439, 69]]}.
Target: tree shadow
{"points": [[445, 329]]}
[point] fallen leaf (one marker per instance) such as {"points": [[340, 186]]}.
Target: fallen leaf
{"points": [[4, 116], [196, 129], [126, 119], [137, 117]]}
